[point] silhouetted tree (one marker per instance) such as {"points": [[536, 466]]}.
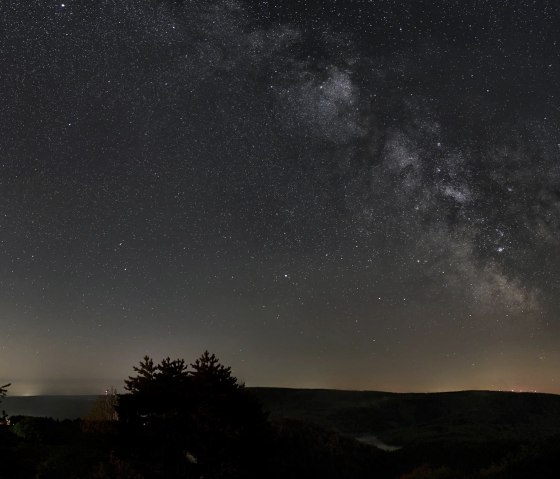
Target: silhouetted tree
{"points": [[104, 407], [146, 374], [229, 422], [3, 392], [156, 393], [103, 414], [209, 373], [192, 422]]}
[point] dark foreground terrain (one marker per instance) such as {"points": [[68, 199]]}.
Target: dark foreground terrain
{"points": [[317, 433]]}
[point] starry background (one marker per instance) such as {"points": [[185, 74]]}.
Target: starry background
{"points": [[343, 194]]}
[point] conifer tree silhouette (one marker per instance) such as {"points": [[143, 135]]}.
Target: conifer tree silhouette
{"points": [[197, 418]]}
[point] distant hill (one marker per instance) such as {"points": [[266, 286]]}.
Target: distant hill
{"points": [[395, 418], [407, 418], [330, 433]]}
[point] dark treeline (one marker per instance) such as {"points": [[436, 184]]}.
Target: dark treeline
{"points": [[180, 420]]}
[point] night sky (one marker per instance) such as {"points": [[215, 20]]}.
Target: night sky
{"points": [[340, 194]]}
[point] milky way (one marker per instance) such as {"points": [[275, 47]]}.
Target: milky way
{"points": [[352, 194]]}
